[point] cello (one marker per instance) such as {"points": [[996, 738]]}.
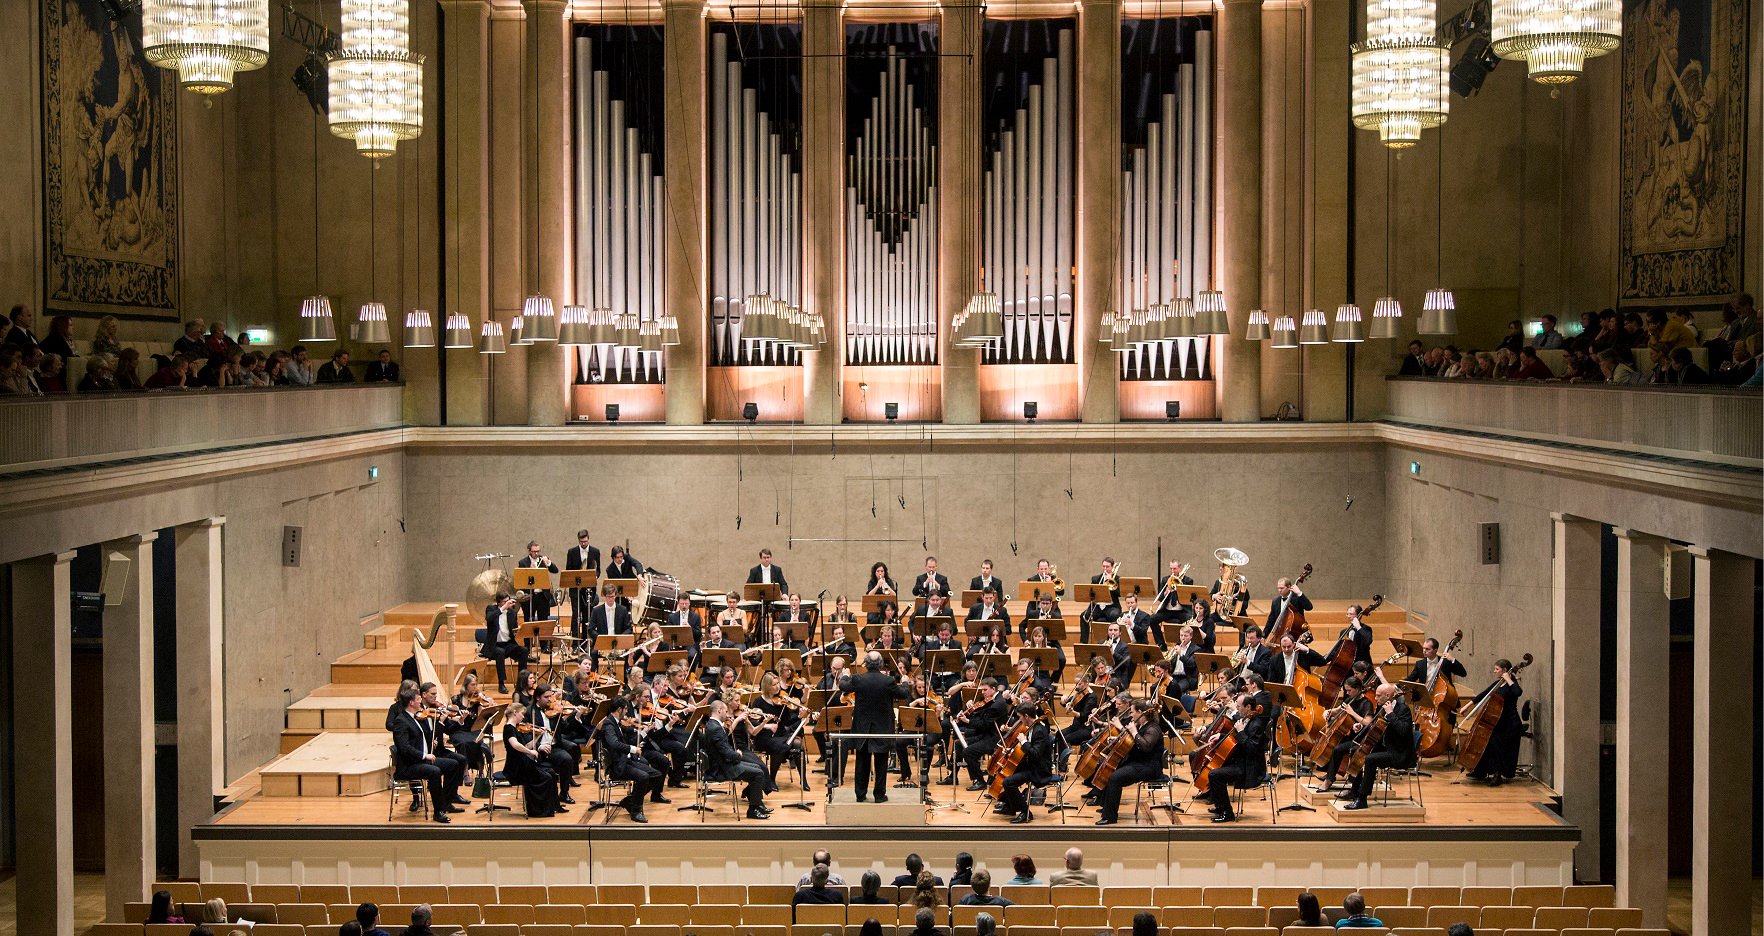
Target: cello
{"points": [[1291, 620], [1479, 726], [1004, 759], [1340, 664], [1335, 728], [1213, 748], [1430, 718], [1368, 743], [1111, 753]]}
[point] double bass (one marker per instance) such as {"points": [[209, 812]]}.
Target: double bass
{"points": [[1479, 725], [1004, 759], [1341, 660], [1292, 620], [1430, 718]]}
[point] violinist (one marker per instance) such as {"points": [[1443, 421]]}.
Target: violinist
{"points": [[1355, 701], [1169, 607], [951, 706], [1035, 768], [1395, 747], [526, 688], [1145, 760], [1038, 641], [526, 756], [724, 763], [988, 608], [1102, 612], [986, 581], [944, 639], [1030, 684], [469, 700], [669, 693], [622, 744], [1435, 664], [1248, 763], [437, 723], [779, 738], [979, 725], [880, 583], [1359, 633], [1500, 760], [564, 757], [1141, 627]]}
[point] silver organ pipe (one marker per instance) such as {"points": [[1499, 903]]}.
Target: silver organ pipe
{"points": [[891, 228], [1028, 214], [1167, 215], [619, 212]]}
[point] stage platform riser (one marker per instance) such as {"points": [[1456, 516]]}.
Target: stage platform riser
{"points": [[724, 856]]}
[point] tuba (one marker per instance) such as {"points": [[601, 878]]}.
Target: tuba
{"points": [[1230, 583]]}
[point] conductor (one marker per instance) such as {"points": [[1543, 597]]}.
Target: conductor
{"points": [[874, 693]]}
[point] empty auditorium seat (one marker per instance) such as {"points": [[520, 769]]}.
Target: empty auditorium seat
{"points": [[1615, 917], [1186, 916], [1236, 917], [1559, 917]]}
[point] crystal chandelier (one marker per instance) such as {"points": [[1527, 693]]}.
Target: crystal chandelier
{"points": [[205, 41], [376, 81], [1399, 72], [1555, 37]]}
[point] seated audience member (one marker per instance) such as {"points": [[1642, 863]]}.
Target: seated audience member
{"points": [[350, 928], [817, 891], [1635, 331], [1617, 370], [216, 373], [100, 377], [871, 886], [1608, 333], [1145, 924], [18, 332], [1580, 368], [1415, 362], [201, 931], [1505, 360], [1454, 365], [981, 897], [50, 374], [964, 870], [1024, 866], [368, 915], [1530, 367], [1683, 371], [1484, 366], [214, 910], [1074, 872], [984, 924], [128, 369], [1738, 368], [382, 369], [251, 370], [1666, 332], [1436, 362], [9, 375], [1310, 911], [174, 373], [924, 922], [914, 866], [1548, 339], [159, 909], [1514, 339], [420, 918], [1357, 918], [218, 341], [104, 340], [871, 927], [822, 857], [193, 341], [1739, 322], [298, 367], [925, 892], [1589, 329], [1460, 929], [60, 338], [336, 370]]}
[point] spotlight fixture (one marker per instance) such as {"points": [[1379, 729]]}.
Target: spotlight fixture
{"points": [[612, 412], [1030, 409], [750, 411]]}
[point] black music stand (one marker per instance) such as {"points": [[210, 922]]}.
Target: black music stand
{"points": [[576, 580], [1053, 627], [615, 644], [1139, 585], [1286, 696], [660, 660], [992, 664], [836, 718], [487, 716], [974, 628], [1143, 656], [923, 721], [1212, 664], [1044, 658]]}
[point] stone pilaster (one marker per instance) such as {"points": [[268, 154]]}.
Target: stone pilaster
{"points": [[1574, 616], [823, 203], [1644, 643], [130, 813], [201, 684], [549, 126], [1099, 205], [42, 659], [958, 203], [1723, 776], [1238, 387], [683, 87]]}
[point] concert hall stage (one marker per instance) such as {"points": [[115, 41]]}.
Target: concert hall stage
{"points": [[1471, 835]]}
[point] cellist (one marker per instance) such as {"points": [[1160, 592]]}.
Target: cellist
{"points": [[1035, 768], [1248, 763], [1395, 748], [1500, 760], [1145, 760], [1354, 700]]}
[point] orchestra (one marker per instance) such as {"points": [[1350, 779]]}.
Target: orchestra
{"points": [[997, 704]]}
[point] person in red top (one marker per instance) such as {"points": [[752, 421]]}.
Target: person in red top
{"points": [[1530, 368], [173, 374]]}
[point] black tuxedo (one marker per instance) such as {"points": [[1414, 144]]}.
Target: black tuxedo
{"points": [[753, 578], [1259, 660], [1171, 610], [410, 744], [1447, 669], [503, 646], [378, 372], [1247, 765], [873, 698], [994, 585], [1143, 628], [1395, 749], [539, 606], [1035, 768], [999, 614], [1302, 658], [1189, 679], [1298, 602], [581, 599], [722, 762], [687, 619], [982, 731], [1361, 637], [922, 585], [624, 763]]}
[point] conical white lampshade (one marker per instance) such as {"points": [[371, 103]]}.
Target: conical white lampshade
{"points": [[316, 322], [1439, 313], [1386, 313], [538, 320], [1257, 327], [419, 329], [371, 326], [493, 341], [1285, 332], [1349, 329], [459, 331]]}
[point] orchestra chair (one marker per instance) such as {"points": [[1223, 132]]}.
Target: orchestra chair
{"points": [[604, 779], [1615, 917], [1225, 895], [1148, 791], [701, 792], [1560, 917], [722, 894], [414, 786], [1232, 917], [1427, 896]]}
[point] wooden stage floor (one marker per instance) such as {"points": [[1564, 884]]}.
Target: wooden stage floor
{"points": [[1450, 804]]}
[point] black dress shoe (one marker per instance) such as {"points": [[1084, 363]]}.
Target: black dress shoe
{"points": [[1021, 818], [1356, 804], [881, 797], [757, 814], [1105, 821], [639, 817], [442, 817], [567, 800], [862, 798], [1345, 795], [976, 787], [658, 798], [460, 800], [415, 804], [1225, 817], [562, 809], [676, 784]]}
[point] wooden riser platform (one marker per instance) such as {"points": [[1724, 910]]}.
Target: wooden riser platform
{"points": [[333, 764], [1401, 811]]}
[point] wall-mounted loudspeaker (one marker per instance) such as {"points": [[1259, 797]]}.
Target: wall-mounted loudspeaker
{"points": [[1488, 543]]}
